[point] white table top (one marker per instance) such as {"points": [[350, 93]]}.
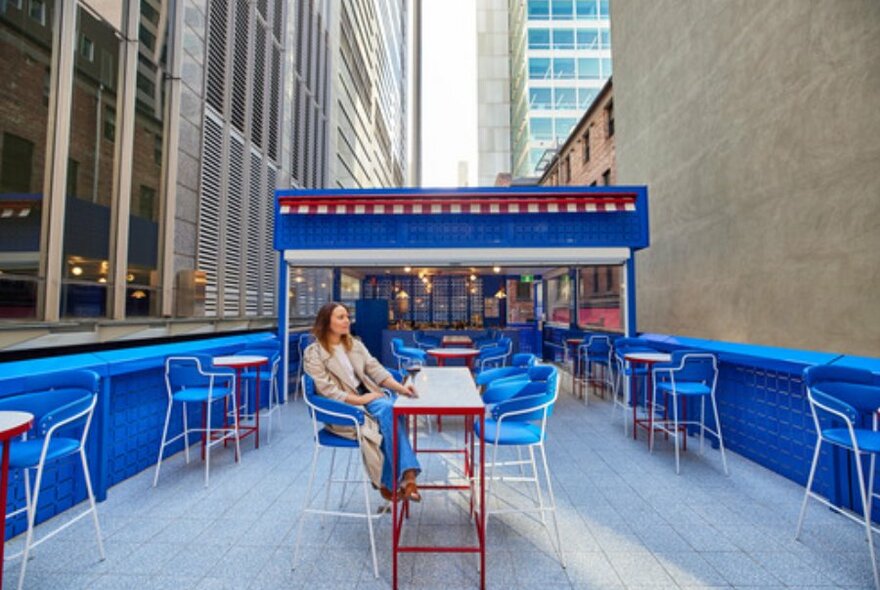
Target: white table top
{"points": [[11, 420], [453, 351], [240, 360], [648, 357], [443, 387]]}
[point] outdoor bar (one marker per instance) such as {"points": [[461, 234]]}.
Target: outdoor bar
{"points": [[544, 269]]}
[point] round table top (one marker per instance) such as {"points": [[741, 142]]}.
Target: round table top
{"points": [[648, 357], [238, 361], [14, 423], [453, 352]]}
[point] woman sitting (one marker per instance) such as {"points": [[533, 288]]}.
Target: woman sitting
{"points": [[343, 369]]}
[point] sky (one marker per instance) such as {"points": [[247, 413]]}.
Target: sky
{"points": [[449, 91]]}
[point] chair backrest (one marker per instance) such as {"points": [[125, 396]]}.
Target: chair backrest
{"points": [[328, 411], [396, 373], [304, 341], [64, 399], [396, 345], [536, 400], [694, 366], [523, 359], [597, 345], [844, 384], [190, 370]]}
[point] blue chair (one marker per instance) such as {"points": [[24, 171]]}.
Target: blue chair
{"points": [[625, 372], [839, 397], [426, 341], [593, 353], [493, 356], [521, 423], [688, 375], [504, 389], [305, 340], [62, 408], [519, 365], [325, 411], [271, 349], [490, 338], [402, 353], [193, 379]]}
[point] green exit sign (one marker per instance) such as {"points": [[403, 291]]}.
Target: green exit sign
{"points": [[526, 278]]}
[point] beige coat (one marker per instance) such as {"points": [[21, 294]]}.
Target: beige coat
{"points": [[331, 380]]}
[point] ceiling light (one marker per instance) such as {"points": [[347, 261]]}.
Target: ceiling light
{"points": [[76, 271], [496, 269], [407, 268]]}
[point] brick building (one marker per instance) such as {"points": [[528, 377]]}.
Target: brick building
{"points": [[587, 156]]}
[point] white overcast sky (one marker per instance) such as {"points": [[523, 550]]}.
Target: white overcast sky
{"points": [[449, 91]]}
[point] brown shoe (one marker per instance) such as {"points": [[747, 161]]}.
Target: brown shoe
{"points": [[385, 493], [411, 492]]}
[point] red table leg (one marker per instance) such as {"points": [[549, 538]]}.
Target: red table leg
{"points": [[4, 482]]}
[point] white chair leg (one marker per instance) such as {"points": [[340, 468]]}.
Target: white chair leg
{"points": [[537, 481], [329, 483], [867, 517], [162, 445], [368, 515], [675, 434], [31, 516], [552, 505], [185, 433], [345, 482], [800, 523], [703, 422], [93, 507], [720, 438], [207, 411], [306, 504]]}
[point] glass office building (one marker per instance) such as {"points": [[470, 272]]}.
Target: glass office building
{"points": [[559, 58]]}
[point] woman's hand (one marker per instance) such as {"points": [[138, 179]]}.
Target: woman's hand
{"points": [[409, 390]]}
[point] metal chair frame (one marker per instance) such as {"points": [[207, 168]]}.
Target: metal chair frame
{"points": [[846, 413], [32, 498], [534, 477], [227, 433], [348, 415], [663, 425]]}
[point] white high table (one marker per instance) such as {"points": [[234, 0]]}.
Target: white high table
{"points": [[446, 391]]}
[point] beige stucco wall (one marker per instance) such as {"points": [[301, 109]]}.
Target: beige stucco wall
{"points": [[756, 126]]}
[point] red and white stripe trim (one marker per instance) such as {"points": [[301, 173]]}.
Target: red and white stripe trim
{"points": [[433, 206]]}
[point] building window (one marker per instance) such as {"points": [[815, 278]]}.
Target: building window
{"points": [[87, 48], [37, 11], [587, 146], [606, 177], [566, 170], [609, 117], [146, 204], [110, 124], [157, 149]]}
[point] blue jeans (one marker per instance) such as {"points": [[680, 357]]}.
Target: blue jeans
{"points": [[381, 410]]}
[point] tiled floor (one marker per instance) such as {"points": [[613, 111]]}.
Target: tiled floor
{"points": [[626, 519]]}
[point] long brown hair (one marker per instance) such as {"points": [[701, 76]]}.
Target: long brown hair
{"points": [[321, 329]]}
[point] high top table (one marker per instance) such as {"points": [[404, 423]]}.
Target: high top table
{"points": [[649, 359], [12, 424], [239, 362], [446, 391]]}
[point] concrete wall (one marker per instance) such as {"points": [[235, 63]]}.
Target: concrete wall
{"points": [[756, 126]]}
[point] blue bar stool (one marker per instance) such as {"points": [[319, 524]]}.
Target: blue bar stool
{"points": [[62, 412], [325, 411], [192, 379], [837, 396]]}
